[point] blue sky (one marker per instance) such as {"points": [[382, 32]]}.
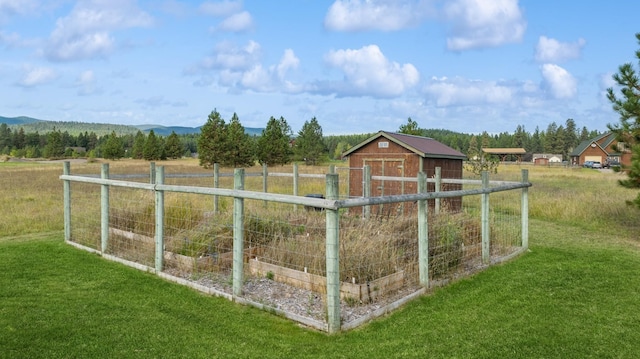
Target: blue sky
{"points": [[357, 66]]}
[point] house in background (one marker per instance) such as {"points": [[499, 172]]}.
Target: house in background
{"points": [[604, 149], [399, 155], [546, 158]]}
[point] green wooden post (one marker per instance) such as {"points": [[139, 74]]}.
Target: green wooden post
{"points": [[152, 172], [104, 209], [265, 174], [332, 254], [525, 210], [66, 170], [423, 232], [216, 184], [486, 254], [438, 188], [332, 168], [238, 233], [295, 184], [159, 178], [366, 189]]}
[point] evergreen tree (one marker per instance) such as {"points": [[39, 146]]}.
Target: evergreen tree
{"points": [[152, 148], [309, 146], [240, 146], [570, 137], [54, 147], [410, 128], [19, 139], [137, 150], [627, 104], [273, 147], [473, 151], [173, 147], [113, 148], [6, 139], [212, 141]]}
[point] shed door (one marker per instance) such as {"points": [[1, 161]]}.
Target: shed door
{"points": [[388, 167]]}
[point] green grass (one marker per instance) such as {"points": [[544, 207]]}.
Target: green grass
{"points": [[572, 301], [575, 294]]}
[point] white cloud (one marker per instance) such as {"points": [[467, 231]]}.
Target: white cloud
{"points": [[34, 76], [551, 50], [461, 92], [86, 83], [484, 23], [86, 32], [220, 8], [239, 22], [10, 8], [240, 68], [561, 83], [386, 15], [368, 72]]}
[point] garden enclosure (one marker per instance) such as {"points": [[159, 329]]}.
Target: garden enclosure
{"points": [[270, 240]]}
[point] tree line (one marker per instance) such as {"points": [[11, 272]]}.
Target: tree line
{"points": [[229, 145]]}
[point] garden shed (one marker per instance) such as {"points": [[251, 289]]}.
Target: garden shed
{"points": [[399, 155]]}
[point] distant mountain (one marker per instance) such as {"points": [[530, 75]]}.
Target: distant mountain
{"points": [[166, 130], [30, 124], [20, 120]]}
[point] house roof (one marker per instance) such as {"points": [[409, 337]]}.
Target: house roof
{"points": [[606, 139], [422, 146], [505, 151]]}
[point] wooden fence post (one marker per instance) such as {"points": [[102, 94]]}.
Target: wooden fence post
{"points": [[486, 254], [295, 184], [423, 232], [265, 174], [216, 184], [332, 256], [438, 188], [104, 209], [159, 178], [66, 170], [524, 212], [366, 189], [238, 233], [152, 172]]}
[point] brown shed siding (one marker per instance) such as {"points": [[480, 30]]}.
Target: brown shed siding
{"points": [[392, 159]]}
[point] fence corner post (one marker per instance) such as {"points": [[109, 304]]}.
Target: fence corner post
{"points": [[104, 209], [238, 233], [524, 212], [152, 172], [159, 180], [486, 250], [423, 232], [333, 255], [66, 170]]}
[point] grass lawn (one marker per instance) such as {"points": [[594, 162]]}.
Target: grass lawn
{"points": [[577, 300]]}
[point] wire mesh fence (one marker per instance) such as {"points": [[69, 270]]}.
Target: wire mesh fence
{"points": [[282, 241]]}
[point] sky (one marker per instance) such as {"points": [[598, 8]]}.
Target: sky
{"points": [[357, 66]]}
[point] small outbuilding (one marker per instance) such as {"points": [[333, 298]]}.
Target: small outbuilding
{"points": [[399, 155]]}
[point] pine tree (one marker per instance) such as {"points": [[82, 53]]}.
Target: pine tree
{"points": [[54, 147], [212, 141], [173, 147], [627, 104], [309, 145], [137, 150], [240, 146], [273, 147], [152, 148], [113, 148], [410, 128]]}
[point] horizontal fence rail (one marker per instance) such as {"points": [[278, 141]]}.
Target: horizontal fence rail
{"points": [[327, 255]]}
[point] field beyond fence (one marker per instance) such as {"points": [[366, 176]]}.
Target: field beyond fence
{"points": [[325, 259]]}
